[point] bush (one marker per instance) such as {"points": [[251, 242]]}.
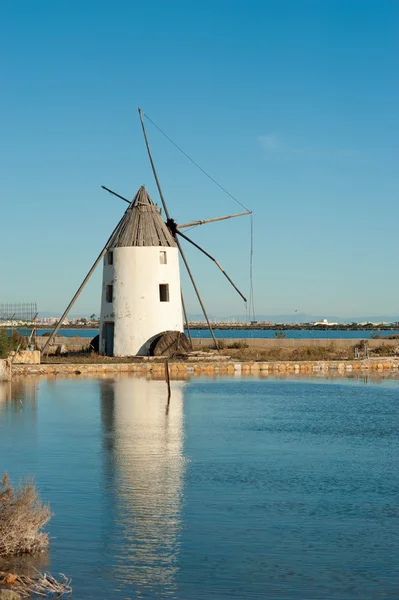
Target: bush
{"points": [[3, 343], [238, 345], [384, 350], [22, 518], [17, 341], [9, 344]]}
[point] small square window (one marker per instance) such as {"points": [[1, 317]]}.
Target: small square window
{"points": [[110, 258], [162, 257], [109, 293], [164, 292]]}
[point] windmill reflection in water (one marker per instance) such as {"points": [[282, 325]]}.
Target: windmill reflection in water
{"points": [[143, 478]]}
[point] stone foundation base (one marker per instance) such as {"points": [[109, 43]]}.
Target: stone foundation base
{"points": [[5, 370], [27, 357]]}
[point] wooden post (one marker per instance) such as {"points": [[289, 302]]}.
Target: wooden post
{"points": [[197, 293], [167, 379], [35, 334], [186, 319]]}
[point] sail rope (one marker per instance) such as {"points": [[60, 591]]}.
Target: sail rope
{"points": [[250, 306], [251, 279]]}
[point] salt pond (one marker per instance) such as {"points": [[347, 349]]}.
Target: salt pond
{"points": [[244, 488]]}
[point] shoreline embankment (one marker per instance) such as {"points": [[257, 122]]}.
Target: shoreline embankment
{"points": [[190, 368], [94, 326]]}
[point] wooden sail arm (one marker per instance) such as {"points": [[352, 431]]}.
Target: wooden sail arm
{"points": [[115, 194], [153, 166], [202, 222], [193, 223], [214, 260], [83, 284]]}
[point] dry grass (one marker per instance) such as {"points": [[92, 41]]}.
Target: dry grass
{"points": [[385, 350], [22, 518], [41, 584], [304, 353], [238, 350], [327, 352]]}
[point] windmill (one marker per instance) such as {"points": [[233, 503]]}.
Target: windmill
{"points": [[142, 299]]}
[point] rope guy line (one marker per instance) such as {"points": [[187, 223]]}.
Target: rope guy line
{"points": [[195, 163]]}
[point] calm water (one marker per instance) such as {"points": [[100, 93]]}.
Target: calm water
{"points": [[245, 333], [247, 488]]}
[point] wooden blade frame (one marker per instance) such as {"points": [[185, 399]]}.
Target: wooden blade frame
{"points": [[204, 221], [177, 241], [215, 261]]}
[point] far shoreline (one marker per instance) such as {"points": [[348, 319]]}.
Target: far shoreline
{"points": [[234, 326]]}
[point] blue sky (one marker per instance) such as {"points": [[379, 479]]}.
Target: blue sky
{"points": [[291, 105]]}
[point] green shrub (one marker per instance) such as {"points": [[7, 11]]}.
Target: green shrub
{"points": [[11, 343], [280, 335], [17, 341], [3, 343], [238, 345]]}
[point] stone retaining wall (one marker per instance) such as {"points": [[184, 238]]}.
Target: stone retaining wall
{"points": [[72, 344], [185, 369]]}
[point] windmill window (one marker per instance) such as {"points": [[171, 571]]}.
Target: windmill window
{"points": [[109, 293], [162, 257], [110, 257], [164, 292]]}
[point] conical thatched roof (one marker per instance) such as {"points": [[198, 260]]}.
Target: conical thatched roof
{"points": [[143, 225]]}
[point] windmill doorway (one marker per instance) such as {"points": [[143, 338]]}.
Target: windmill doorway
{"points": [[108, 337]]}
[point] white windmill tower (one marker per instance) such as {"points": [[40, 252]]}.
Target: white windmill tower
{"points": [[141, 295], [141, 282]]}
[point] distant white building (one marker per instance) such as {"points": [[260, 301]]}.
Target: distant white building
{"points": [[141, 295], [324, 322]]}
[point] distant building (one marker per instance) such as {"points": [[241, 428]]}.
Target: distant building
{"points": [[324, 322]]}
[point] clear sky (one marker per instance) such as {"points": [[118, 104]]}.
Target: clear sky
{"points": [[292, 105]]}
